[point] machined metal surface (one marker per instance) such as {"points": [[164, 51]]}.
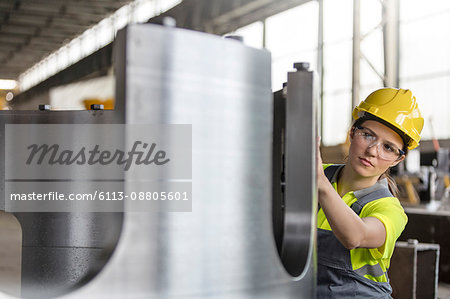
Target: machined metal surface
{"points": [[301, 198], [225, 247], [61, 251], [294, 192]]}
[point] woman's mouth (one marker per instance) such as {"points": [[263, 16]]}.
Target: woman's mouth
{"points": [[365, 162]]}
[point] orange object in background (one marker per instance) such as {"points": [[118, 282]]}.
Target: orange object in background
{"points": [[108, 104]]}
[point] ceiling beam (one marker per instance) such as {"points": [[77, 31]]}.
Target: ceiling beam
{"points": [[225, 16], [260, 14]]}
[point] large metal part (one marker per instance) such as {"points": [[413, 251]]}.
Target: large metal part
{"points": [[225, 247], [294, 165], [61, 251]]}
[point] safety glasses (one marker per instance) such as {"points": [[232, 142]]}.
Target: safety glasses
{"points": [[386, 150]]}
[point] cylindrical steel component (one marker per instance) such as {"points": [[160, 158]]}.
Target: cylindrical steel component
{"points": [[225, 247], [61, 251]]}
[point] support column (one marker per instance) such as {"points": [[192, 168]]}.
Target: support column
{"points": [[356, 53], [391, 42]]}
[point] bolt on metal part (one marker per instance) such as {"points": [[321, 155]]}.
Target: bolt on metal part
{"points": [[301, 66]]}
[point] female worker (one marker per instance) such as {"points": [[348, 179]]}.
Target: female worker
{"points": [[359, 218]]}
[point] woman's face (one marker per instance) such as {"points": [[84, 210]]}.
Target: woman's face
{"points": [[365, 147]]}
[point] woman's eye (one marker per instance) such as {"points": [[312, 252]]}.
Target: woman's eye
{"points": [[367, 135], [388, 148]]}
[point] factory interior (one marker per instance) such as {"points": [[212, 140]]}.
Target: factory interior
{"points": [[236, 93]]}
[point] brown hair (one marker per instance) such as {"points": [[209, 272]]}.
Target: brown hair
{"points": [[391, 182]]}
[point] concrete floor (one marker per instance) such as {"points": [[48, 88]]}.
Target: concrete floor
{"points": [[443, 291]]}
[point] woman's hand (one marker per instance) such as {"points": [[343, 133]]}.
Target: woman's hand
{"points": [[321, 179]]}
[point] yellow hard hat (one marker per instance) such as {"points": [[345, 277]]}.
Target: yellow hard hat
{"points": [[397, 107]]}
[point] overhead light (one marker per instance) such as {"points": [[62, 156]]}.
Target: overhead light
{"points": [[8, 84]]}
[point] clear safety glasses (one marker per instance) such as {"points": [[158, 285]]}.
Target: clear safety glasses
{"points": [[386, 150]]}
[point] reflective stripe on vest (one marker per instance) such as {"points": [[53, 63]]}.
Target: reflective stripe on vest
{"points": [[373, 270]]}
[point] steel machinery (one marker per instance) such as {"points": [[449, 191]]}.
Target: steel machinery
{"points": [[251, 229]]}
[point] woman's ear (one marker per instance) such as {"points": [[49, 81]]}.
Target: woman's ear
{"points": [[351, 133]]}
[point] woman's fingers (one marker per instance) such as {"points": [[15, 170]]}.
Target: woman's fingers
{"points": [[321, 179], [318, 156]]}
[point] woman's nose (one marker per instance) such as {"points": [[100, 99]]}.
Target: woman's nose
{"points": [[372, 150]]}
